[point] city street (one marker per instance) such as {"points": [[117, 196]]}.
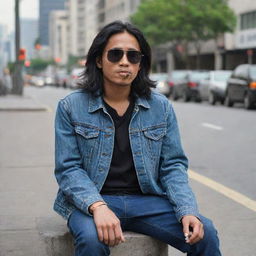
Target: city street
{"points": [[219, 141]]}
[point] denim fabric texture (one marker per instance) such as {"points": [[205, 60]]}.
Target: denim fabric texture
{"points": [[150, 215], [84, 144]]}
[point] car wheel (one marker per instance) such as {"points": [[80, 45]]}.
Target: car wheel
{"points": [[212, 98], [185, 97], [174, 95], [228, 102], [248, 103]]}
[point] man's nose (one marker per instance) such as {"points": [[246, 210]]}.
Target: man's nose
{"points": [[124, 60]]}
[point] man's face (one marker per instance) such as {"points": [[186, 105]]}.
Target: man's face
{"points": [[121, 72]]}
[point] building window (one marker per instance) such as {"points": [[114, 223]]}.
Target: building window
{"points": [[101, 4], [248, 20], [101, 17]]}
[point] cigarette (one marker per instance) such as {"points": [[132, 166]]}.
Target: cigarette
{"points": [[187, 236]]}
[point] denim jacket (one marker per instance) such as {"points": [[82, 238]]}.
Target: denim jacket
{"points": [[84, 142]]}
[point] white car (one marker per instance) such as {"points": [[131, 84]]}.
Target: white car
{"points": [[162, 84], [73, 79]]}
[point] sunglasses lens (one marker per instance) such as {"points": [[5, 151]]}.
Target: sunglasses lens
{"points": [[115, 55], [134, 57]]}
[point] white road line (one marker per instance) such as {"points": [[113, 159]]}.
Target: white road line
{"points": [[230, 193], [212, 126]]}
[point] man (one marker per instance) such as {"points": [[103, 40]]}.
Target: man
{"points": [[119, 161]]}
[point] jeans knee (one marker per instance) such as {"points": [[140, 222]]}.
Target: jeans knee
{"points": [[210, 232], [89, 244]]}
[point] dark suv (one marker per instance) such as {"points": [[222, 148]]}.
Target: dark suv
{"points": [[241, 86]]}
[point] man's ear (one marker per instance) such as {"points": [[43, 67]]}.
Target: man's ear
{"points": [[98, 62]]}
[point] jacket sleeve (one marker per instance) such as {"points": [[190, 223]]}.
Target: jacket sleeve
{"points": [[173, 170], [72, 179]]}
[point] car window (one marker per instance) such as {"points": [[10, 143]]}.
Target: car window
{"points": [[241, 71], [199, 75], [159, 77], [253, 72], [221, 76], [176, 75]]}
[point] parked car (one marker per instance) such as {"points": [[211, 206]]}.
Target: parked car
{"points": [[213, 88], [37, 81], [61, 78], [241, 86], [73, 78], [187, 88], [176, 76], [162, 85]]}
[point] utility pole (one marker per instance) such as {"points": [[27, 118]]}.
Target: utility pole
{"points": [[17, 77]]}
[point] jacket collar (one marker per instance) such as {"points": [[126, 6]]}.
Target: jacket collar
{"points": [[96, 103]]}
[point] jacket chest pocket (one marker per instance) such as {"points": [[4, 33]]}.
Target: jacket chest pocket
{"points": [[88, 140], [153, 137]]}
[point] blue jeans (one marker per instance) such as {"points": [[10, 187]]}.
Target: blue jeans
{"points": [[150, 215]]}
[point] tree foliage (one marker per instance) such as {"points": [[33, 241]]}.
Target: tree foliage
{"points": [[183, 20], [38, 64]]}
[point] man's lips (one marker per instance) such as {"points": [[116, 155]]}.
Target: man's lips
{"points": [[124, 73]]}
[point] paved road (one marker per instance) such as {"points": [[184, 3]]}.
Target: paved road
{"points": [[220, 143], [27, 185]]}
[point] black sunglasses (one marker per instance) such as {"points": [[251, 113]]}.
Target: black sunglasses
{"points": [[133, 56]]}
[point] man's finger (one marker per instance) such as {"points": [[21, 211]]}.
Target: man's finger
{"points": [[111, 237], [194, 234], [118, 234], [105, 236], [186, 230], [100, 234]]}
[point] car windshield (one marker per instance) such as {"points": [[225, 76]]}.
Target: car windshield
{"points": [[178, 75], [199, 75], [159, 77], [221, 76], [253, 72]]}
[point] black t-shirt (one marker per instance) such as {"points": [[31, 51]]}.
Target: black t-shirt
{"points": [[122, 178]]}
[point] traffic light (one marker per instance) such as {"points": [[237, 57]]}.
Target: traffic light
{"points": [[38, 46], [22, 54]]}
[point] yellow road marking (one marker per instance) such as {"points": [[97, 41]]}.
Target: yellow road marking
{"points": [[230, 193]]}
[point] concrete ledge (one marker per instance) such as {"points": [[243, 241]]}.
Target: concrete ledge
{"points": [[58, 241]]}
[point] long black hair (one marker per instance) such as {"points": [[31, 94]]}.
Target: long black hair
{"points": [[92, 77]]}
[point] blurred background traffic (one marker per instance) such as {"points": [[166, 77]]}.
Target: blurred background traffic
{"points": [[202, 50]]}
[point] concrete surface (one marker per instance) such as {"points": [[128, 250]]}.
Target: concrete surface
{"points": [[21, 103], [58, 241]]}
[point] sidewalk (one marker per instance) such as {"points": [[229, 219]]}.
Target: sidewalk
{"points": [[21, 103], [27, 184]]}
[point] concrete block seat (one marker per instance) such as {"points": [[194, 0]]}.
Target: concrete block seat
{"points": [[58, 241]]}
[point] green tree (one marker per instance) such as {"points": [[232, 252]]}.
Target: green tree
{"points": [[38, 65], [184, 21]]}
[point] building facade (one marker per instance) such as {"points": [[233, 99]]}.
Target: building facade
{"points": [[45, 7], [226, 52], [58, 36], [3, 47], [29, 34], [85, 18]]}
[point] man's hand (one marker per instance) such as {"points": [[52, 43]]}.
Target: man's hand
{"points": [[108, 226], [193, 229]]}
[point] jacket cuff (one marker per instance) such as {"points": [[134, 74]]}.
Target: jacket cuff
{"points": [[89, 201], [181, 212]]}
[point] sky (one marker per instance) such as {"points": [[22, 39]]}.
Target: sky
{"points": [[28, 9]]}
